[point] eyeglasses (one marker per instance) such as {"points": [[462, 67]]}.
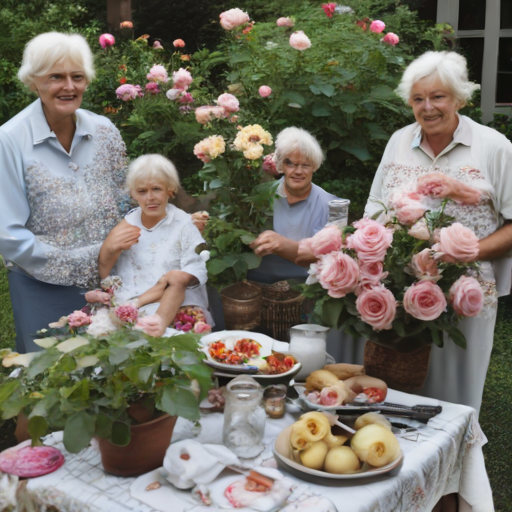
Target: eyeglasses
{"points": [[291, 165]]}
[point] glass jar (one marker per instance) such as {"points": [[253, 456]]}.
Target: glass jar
{"points": [[338, 212], [308, 344], [274, 398], [244, 417]]}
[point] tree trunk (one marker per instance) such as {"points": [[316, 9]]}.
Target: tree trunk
{"points": [[118, 11]]}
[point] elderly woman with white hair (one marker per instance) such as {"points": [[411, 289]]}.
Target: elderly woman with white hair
{"points": [[446, 155], [63, 170], [300, 208]]}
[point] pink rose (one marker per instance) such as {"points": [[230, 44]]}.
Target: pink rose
{"points": [[202, 327], [420, 230], [377, 26], [424, 300], [152, 88], [377, 307], [408, 207], [127, 92], [206, 113], [285, 22], [228, 102], [78, 318], [391, 39], [458, 242], [300, 41], [264, 91], [157, 45], [107, 40], [329, 9], [127, 313], [424, 266], [157, 74], [326, 240], [233, 18], [186, 98], [338, 274], [371, 240], [371, 273], [269, 165], [466, 296], [178, 43], [182, 78]]}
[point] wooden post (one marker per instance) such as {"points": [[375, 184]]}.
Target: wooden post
{"points": [[118, 11]]}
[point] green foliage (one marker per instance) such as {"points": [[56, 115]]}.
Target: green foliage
{"points": [[503, 124]]}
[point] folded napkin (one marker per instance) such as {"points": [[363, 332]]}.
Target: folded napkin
{"points": [[399, 397], [189, 463]]}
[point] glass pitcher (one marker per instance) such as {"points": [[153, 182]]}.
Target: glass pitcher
{"points": [[244, 417], [308, 344]]}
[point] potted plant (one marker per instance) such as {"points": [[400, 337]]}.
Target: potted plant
{"points": [[98, 377]]}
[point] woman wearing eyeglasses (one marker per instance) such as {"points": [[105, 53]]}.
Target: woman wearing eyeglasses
{"points": [[300, 208]]}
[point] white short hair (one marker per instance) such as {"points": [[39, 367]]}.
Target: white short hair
{"points": [[451, 69], [46, 50], [294, 139], [152, 167]]}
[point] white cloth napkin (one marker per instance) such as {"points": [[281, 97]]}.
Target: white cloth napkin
{"points": [[398, 397]]}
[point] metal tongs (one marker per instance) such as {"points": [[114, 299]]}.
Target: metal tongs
{"points": [[418, 412]]}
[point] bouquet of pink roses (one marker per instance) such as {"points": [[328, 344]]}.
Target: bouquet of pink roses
{"points": [[399, 281]]}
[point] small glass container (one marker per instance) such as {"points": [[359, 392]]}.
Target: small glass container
{"points": [[274, 398], [308, 344], [338, 212], [244, 417]]}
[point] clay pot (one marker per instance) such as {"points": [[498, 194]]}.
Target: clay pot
{"points": [[145, 452], [241, 303]]}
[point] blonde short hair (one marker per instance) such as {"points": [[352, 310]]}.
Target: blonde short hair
{"points": [[451, 69], [152, 167], [294, 139], [46, 50]]}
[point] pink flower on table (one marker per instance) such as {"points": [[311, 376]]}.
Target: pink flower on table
{"points": [[229, 102], [391, 39], [269, 165], [157, 74], [408, 207], [326, 240], [127, 313], [377, 307], [233, 18], [182, 78], [107, 40], [264, 91], [329, 9], [300, 41], [420, 230], [377, 26], [157, 45], [127, 92], [371, 240], [457, 243], [202, 328], [285, 22], [152, 88], [338, 274], [424, 300], [78, 318], [466, 296], [178, 43], [424, 266]]}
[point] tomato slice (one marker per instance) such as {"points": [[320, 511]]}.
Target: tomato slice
{"points": [[374, 395]]}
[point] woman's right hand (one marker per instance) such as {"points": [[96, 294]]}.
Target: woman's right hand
{"points": [[436, 184], [121, 238]]}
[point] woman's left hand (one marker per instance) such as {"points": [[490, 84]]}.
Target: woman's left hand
{"points": [[269, 242], [436, 184]]}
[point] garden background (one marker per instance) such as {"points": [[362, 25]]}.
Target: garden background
{"points": [[340, 89]]}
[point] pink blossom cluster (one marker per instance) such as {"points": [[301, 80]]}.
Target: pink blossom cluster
{"points": [[127, 313], [181, 80], [233, 18], [264, 91], [227, 105], [300, 41], [128, 92], [329, 9], [107, 40], [457, 243], [78, 319], [269, 165], [285, 22], [391, 39], [377, 26], [158, 74], [191, 319]]}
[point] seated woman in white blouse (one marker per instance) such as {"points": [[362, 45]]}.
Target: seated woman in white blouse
{"points": [[160, 266]]}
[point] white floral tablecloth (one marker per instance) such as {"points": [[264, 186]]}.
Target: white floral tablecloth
{"points": [[446, 457]]}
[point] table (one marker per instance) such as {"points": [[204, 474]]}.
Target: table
{"points": [[446, 458]]}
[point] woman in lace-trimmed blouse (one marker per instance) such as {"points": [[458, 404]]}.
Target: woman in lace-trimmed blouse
{"points": [[447, 155], [63, 170]]}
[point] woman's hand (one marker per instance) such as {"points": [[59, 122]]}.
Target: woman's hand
{"points": [[439, 185], [93, 296], [121, 238], [269, 242], [200, 219], [305, 255]]}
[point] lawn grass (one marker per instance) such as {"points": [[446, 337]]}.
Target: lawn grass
{"points": [[495, 416]]}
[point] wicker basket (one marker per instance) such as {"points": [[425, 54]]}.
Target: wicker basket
{"points": [[241, 303]]}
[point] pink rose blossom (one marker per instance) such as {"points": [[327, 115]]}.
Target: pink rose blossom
{"points": [[377, 26], [157, 74], [338, 274], [107, 40], [300, 41], [264, 91], [424, 300], [202, 328], [186, 98], [269, 165], [178, 43], [424, 266], [138, 88], [377, 307], [420, 230], [152, 88], [371, 273], [408, 207], [182, 78], [157, 45], [371, 240], [458, 243], [326, 240], [127, 92], [285, 22], [391, 39], [233, 18], [228, 102], [206, 113], [466, 296], [329, 9], [127, 313], [78, 318]]}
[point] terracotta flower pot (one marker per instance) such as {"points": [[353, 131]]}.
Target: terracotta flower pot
{"points": [[145, 452]]}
